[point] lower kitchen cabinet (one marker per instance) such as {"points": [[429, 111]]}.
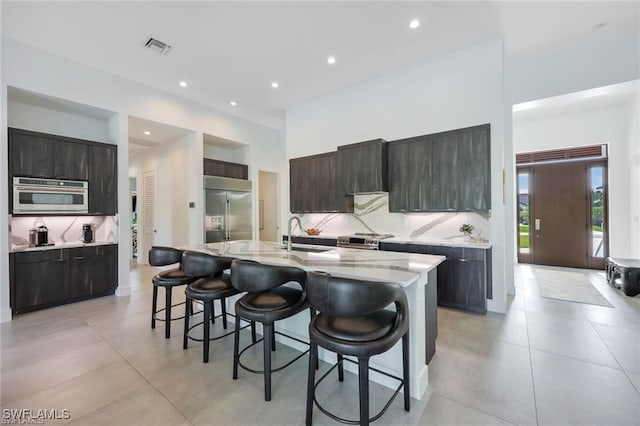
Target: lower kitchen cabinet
{"points": [[42, 279], [464, 278]]}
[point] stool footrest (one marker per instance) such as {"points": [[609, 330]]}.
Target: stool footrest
{"points": [[211, 339], [273, 370], [163, 309], [356, 422]]}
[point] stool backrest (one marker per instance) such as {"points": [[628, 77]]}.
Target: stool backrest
{"points": [[198, 264], [163, 256], [252, 277], [346, 297]]}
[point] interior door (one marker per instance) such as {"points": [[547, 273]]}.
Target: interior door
{"points": [[240, 215], [149, 214], [560, 214]]}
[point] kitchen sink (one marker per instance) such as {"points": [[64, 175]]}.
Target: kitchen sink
{"points": [[309, 249]]}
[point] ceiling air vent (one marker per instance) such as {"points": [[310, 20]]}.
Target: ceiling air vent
{"points": [[157, 46]]}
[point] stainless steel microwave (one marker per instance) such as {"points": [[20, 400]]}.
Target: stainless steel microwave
{"points": [[36, 195]]}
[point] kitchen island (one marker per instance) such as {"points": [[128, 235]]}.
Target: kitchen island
{"points": [[416, 273]]}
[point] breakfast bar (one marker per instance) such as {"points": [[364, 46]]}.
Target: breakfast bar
{"points": [[416, 273]]}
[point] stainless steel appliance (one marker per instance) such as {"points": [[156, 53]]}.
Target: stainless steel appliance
{"points": [[362, 240], [227, 209], [35, 195]]}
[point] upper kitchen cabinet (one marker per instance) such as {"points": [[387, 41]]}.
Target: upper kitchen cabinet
{"points": [[313, 185], [362, 167], [448, 171], [103, 179], [41, 155], [475, 171], [410, 175], [225, 169]]}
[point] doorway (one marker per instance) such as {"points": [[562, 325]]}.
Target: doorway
{"points": [[149, 214], [562, 210], [267, 206]]}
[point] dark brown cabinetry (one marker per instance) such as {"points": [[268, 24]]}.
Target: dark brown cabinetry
{"points": [[313, 185], [225, 169], [47, 156], [410, 175], [42, 279], [30, 154], [448, 171], [362, 167], [42, 155], [103, 180], [464, 278]]}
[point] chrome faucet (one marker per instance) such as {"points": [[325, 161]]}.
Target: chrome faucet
{"points": [[289, 238]]}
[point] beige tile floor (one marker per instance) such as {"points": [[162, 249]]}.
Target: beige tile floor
{"points": [[545, 362]]}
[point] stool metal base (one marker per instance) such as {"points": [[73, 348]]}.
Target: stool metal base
{"points": [[355, 422], [273, 370]]}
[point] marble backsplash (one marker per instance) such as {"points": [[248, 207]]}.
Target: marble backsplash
{"points": [[371, 215], [63, 229]]}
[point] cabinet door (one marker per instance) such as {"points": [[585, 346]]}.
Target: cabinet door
{"points": [[70, 160], [103, 180], [225, 169], [93, 270], [313, 185], [81, 264], [40, 279], [299, 184], [31, 155], [362, 167], [475, 170], [105, 270], [410, 175], [445, 169]]}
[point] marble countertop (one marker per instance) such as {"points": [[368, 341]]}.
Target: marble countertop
{"points": [[68, 244], [450, 242], [402, 268]]}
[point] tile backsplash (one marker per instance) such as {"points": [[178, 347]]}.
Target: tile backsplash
{"points": [[63, 229], [371, 214]]}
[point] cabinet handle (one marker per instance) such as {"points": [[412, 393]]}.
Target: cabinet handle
{"points": [[60, 260], [79, 257]]}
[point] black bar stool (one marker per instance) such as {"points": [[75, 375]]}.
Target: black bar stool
{"points": [[164, 256], [267, 301], [213, 284], [352, 320]]}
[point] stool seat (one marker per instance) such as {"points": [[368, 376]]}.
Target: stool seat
{"points": [[171, 277], [211, 288], [272, 305], [362, 329]]}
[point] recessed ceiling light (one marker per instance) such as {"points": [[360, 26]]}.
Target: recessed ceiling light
{"points": [[414, 24], [233, 103], [275, 85], [183, 84], [146, 132], [331, 60]]}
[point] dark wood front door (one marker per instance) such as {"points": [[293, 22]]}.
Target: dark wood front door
{"points": [[560, 216]]}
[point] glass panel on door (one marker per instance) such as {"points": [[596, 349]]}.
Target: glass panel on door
{"points": [[597, 212]]}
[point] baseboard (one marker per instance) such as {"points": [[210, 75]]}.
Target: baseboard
{"points": [[5, 315]]}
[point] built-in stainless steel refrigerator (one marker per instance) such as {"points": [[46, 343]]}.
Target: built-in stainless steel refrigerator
{"points": [[227, 209]]}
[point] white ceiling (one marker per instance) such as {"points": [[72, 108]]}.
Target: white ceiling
{"points": [[159, 133], [234, 50]]}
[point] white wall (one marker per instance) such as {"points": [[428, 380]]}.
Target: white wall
{"points": [[45, 120], [595, 126], [452, 91]]}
